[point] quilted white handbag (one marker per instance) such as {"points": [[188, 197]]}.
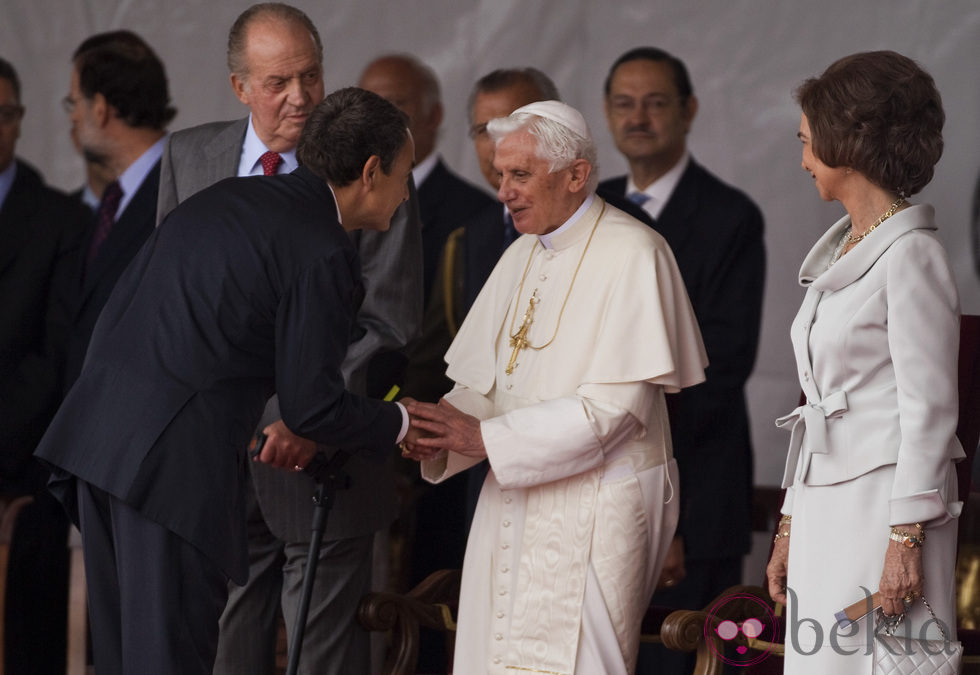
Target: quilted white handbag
{"points": [[896, 655]]}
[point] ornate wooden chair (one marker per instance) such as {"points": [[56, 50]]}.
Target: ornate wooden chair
{"points": [[432, 604]]}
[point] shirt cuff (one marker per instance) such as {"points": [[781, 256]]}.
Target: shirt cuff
{"points": [[404, 429]]}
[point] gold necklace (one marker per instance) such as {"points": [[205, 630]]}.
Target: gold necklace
{"points": [[896, 205], [518, 340]]}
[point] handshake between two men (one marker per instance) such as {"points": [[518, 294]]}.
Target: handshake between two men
{"points": [[433, 429]]}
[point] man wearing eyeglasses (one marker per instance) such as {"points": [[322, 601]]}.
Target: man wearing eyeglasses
{"points": [[119, 107], [715, 232], [42, 230]]}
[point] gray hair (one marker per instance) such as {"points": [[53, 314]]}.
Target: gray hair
{"points": [[557, 144], [265, 10]]}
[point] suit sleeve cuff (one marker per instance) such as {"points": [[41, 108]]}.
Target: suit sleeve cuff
{"points": [[404, 429], [927, 508]]}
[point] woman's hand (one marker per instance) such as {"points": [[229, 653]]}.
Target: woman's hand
{"points": [[778, 568], [902, 576]]}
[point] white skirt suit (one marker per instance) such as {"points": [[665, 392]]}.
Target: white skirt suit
{"points": [[876, 344]]}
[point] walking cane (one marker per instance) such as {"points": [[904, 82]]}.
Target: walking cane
{"points": [[329, 477]]}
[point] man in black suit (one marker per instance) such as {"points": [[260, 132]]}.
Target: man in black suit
{"points": [[249, 287], [484, 236], [445, 202], [42, 231], [275, 58], [715, 232], [119, 107]]}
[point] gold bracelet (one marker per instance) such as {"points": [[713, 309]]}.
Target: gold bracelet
{"points": [[785, 520], [908, 539], [780, 535]]}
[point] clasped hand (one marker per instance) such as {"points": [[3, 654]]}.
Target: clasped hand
{"points": [[435, 428]]}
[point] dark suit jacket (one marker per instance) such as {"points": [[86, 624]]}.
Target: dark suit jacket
{"points": [[445, 202], [390, 316], [125, 238], [42, 233], [251, 286], [715, 232]]}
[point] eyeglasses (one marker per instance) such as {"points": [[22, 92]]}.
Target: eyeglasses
{"points": [[68, 103], [478, 130], [10, 113], [655, 104]]}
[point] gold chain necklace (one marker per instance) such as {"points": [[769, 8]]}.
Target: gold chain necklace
{"points": [[896, 205], [518, 340]]}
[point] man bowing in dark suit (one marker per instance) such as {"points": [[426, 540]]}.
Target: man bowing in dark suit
{"points": [[715, 232], [275, 57], [249, 287]]}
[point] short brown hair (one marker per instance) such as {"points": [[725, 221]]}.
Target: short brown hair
{"points": [[345, 129], [878, 113], [129, 74]]}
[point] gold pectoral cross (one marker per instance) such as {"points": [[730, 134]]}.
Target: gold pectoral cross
{"points": [[518, 340]]}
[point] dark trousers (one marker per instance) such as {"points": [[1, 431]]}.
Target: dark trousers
{"points": [[37, 590], [154, 600], [705, 580]]}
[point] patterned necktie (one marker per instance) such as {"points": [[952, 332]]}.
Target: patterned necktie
{"points": [[639, 198], [270, 162], [105, 217]]}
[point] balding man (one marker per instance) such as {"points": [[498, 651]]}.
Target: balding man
{"points": [[445, 202], [275, 58]]}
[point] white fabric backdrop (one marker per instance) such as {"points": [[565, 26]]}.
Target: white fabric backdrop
{"points": [[745, 58]]}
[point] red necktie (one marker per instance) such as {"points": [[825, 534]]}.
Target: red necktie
{"points": [[104, 220], [270, 162]]}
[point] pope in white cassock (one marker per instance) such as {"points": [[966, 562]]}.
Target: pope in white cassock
{"points": [[560, 369]]}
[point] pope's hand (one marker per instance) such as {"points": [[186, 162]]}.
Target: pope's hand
{"points": [[445, 427]]}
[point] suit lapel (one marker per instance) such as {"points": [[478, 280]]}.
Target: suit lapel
{"points": [[224, 151], [16, 216], [680, 207], [125, 233]]}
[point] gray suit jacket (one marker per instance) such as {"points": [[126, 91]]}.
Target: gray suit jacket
{"points": [[390, 316]]}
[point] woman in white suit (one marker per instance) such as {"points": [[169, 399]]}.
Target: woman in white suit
{"points": [[871, 494]]}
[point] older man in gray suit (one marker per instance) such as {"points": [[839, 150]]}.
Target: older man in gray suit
{"points": [[275, 58]]}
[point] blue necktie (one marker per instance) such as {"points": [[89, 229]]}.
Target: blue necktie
{"points": [[510, 232], [638, 198]]}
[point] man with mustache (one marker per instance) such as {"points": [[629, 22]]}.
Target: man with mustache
{"points": [[715, 232]]}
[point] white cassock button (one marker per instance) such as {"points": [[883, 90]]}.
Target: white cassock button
{"points": [[498, 637], [500, 615], [505, 546], [503, 591], [506, 523], [543, 276], [496, 659], [505, 570], [509, 387], [507, 500]]}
